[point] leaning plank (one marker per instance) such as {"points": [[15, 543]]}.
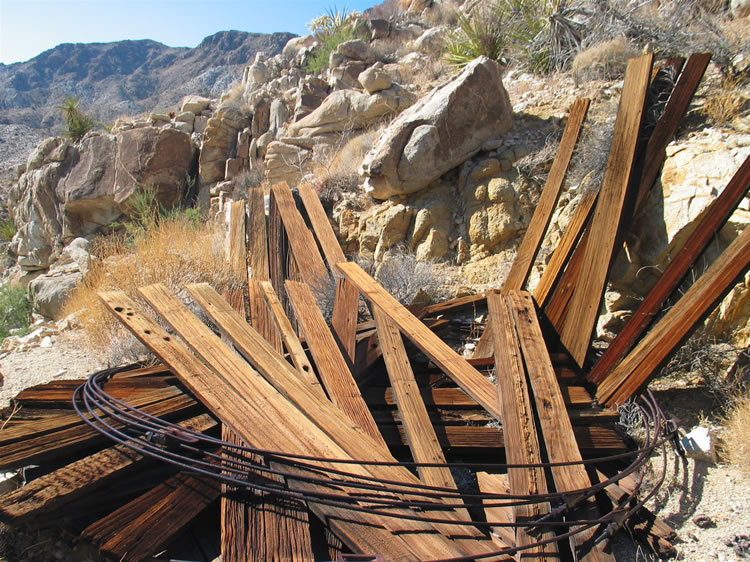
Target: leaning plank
{"points": [[288, 335], [708, 225], [642, 362], [497, 484], [559, 438], [527, 251], [332, 367], [259, 415], [236, 245], [305, 250], [344, 321], [587, 296], [322, 412], [465, 376], [666, 126], [147, 524], [62, 486], [420, 434], [519, 431], [565, 247]]}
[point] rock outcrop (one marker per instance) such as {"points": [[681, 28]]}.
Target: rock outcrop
{"points": [[440, 132]]}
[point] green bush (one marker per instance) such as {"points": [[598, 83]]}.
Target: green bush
{"points": [[330, 30], [77, 122], [15, 310], [146, 212], [541, 35], [7, 230], [480, 34]]}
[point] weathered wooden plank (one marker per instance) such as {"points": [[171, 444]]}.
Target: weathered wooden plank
{"points": [[323, 413], [642, 362], [332, 367], [420, 434], [666, 126], [565, 247], [708, 225], [529, 247], [236, 245], [144, 526], [574, 397], [452, 364], [305, 250], [498, 484], [584, 304], [80, 436], [257, 248], [519, 430], [253, 408], [344, 320], [559, 438], [62, 486], [288, 335]]}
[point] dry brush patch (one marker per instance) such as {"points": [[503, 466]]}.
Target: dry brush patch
{"points": [[175, 252]]}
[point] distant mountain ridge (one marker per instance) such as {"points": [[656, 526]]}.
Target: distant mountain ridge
{"points": [[126, 77]]}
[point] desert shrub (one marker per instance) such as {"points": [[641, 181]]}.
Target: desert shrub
{"points": [[673, 29], [479, 34], [176, 251], [247, 179], [406, 278], [724, 104], [331, 30], [77, 122], [7, 230], [15, 310], [606, 60], [735, 443], [589, 160]]}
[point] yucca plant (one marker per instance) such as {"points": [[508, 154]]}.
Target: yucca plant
{"points": [[479, 34], [77, 122], [330, 30]]}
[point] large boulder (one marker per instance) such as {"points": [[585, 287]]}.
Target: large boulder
{"points": [[110, 169], [439, 132], [35, 206], [219, 143], [350, 110]]}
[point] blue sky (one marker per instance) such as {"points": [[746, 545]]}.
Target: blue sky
{"points": [[29, 27]]}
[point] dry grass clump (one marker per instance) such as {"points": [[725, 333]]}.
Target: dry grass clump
{"points": [[723, 105], [605, 61], [736, 434], [175, 252]]}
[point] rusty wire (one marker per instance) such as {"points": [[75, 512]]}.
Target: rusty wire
{"points": [[290, 475]]}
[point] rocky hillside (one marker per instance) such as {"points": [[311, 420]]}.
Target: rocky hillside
{"points": [[125, 77]]}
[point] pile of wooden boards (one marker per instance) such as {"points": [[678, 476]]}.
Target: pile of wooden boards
{"points": [[366, 396]]}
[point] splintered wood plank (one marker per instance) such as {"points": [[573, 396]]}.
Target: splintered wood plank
{"points": [[60, 487], [144, 526], [498, 484], [557, 431], [236, 245], [80, 436], [288, 335], [642, 362], [305, 250], [529, 247], [323, 413], [519, 430], [584, 304], [257, 249], [464, 375], [344, 321], [666, 126], [240, 398], [332, 367], [566, 245], [420, 434], [704, 232]]}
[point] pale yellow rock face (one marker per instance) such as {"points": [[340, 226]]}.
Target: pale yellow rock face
{"points": [[695, 172]]}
